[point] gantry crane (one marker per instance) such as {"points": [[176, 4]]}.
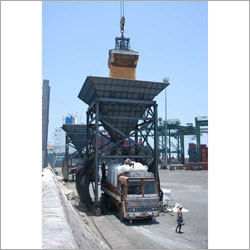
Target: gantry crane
{"points": [[177, 132]]}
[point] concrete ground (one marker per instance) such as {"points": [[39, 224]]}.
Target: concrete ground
{"points": [[189, 189]]}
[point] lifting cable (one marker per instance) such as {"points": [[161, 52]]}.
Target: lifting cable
{"points": [[121, 9]]}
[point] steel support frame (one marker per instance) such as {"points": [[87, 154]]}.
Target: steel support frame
{"points": [[180, 132], [156, 141], [198, 125], [182, 147], [198, 142], [96, 152], [67, 152], [171, 147], [93, 121], [68, 156]]}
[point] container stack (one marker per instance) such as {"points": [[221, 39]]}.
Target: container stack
{"points": [[191, 165], [204, 153], [192, 152]]}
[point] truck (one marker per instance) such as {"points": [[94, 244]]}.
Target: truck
{"points": [[131, 190]]}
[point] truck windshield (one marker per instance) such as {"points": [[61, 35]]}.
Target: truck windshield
{"points": [[149, 188], [134, 188]]}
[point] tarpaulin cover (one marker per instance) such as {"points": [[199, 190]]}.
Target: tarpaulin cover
{"points": [[115, 170]]}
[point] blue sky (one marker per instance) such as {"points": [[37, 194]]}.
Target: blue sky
{"points": [[171, 38]]}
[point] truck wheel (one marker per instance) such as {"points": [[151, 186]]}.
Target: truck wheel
{"points": [[121, 214]]}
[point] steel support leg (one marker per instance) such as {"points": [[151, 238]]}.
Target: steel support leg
{"points": [[198, 140], [156, 141], [136, 138], [169, 146], [87, 133], [67, 154], [182, 149], [178, 148], [96, 157]]}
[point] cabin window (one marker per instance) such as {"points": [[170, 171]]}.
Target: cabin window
{"points": [[149, 188], [134, 188]]}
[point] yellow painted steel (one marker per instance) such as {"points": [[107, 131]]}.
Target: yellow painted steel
{"points": [[123, 64], [122, 72]]}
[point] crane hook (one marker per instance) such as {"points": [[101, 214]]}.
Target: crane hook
{"points": [[122, 24]]}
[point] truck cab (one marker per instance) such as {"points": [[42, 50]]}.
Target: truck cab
{"points": [[139, 197], [135, 195]]}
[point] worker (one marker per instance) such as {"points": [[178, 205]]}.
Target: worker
{"points": [[128, 162], [180, 221], [103, 171]]}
